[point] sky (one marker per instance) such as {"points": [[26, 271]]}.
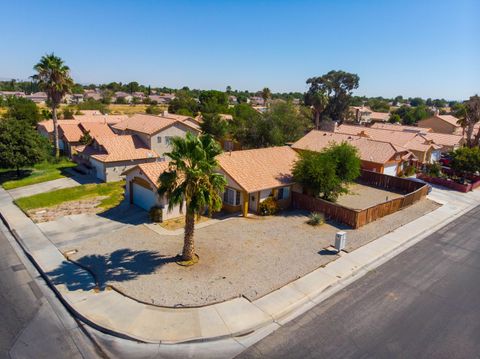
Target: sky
{"points": [[405, 47]]}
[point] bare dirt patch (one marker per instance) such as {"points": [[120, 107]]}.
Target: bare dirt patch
{"points": [[361, 196], [47, 214], [238, 256]]}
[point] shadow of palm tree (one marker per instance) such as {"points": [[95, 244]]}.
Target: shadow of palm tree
{"points": [[72, 276]]}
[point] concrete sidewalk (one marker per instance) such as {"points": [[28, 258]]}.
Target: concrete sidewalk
{"points": [[75, 179], [116, 314]]}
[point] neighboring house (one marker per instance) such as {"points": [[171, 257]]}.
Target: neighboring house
{"points": [[38, 97], [6, 94], [363, 114], [111, 156], [141, 188], [448, 142], [71, 133], [399, 127], [162, 99], [257, 101], [442, 124], [88, 113], [254, 175], [92, 95], [377, 156], [426, 150], [128, 98], [155, 131]]}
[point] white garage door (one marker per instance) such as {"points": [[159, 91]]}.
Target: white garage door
{"points": [[143, 197], [390, 170]]}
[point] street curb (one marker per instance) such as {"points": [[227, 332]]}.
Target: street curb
{"points": [[293, 310]]}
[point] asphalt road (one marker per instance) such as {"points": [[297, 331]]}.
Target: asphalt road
{"points": [[425, 303], [33, 323]]}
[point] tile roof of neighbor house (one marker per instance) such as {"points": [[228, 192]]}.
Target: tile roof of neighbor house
{"points": [[151, 170], [120, 148], [368, 149], [71, 131], [97, 130], [89, 113], [108, 119], [398, 127], [410, 140], [259, 169], [380, 116], [148, 124], [449, 118], [444, 139]]}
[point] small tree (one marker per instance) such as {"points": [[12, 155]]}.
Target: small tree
{"points": [[347, 161], [153, 110], [316, 171], [214, 125], [326, 172], [466, 160], [86, 139], [22, 109], [20, 145], [266, 95]]}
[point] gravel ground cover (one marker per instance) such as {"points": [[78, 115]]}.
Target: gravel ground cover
{"points": [[238, 256]]}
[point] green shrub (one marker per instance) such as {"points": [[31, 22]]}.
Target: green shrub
{"points": [[409, 171], [268, 207], [316, 219], [156, 214], [434, 169]]}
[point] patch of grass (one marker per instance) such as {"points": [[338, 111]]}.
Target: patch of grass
{"points": [[179, 222], [42, 172], [112, 191]]}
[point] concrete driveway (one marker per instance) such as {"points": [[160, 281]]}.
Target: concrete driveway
{"points": [[76, 179], [71, 230]]}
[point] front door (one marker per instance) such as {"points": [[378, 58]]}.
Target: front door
{"points": [[252, 202]]}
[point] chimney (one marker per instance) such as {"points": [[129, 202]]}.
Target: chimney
{"points": [[165, 113]]}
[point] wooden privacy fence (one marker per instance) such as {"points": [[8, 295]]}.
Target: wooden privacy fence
{"points": [[357, 218]]}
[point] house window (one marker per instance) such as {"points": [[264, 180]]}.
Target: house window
{"points": [[159, 139], [231, 197], [283, 193], [168, 139]]}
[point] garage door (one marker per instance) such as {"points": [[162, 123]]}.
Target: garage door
{"points": [[143, 197], [390, 170]]}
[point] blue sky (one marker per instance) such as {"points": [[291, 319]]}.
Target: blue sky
{"points": [[413, 48]]}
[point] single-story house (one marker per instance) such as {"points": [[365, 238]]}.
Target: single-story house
{"points": [[142, 185], [363, 114], [111, 156], [254, 175], [378, 156], [155, 131], [38, 97], [424, 149]]}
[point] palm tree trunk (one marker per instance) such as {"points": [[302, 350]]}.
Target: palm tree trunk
{"points": [[317, 120], [188, 252], [55, 132]]}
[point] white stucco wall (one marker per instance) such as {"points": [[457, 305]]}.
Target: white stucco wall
{"points": [[160, 201], [177, 129]]}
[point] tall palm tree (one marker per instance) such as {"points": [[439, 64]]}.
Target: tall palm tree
{"points": [[266, 94], [191, 181], [53, 77]]}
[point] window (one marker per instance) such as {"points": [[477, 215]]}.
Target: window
{"points": [[159, 139], [231, 197], [168, 139], [283, 193]]}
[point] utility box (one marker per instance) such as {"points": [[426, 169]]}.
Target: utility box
{"points": [[340, 240]]}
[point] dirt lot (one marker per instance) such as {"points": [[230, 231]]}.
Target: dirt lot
{"points": [[361, 196], [238, 256]]}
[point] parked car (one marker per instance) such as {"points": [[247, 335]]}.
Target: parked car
{"points": [[419, 180], [445, 160]]}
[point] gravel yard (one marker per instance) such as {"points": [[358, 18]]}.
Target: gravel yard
{"points": [[361, 196], [238, 256]]}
